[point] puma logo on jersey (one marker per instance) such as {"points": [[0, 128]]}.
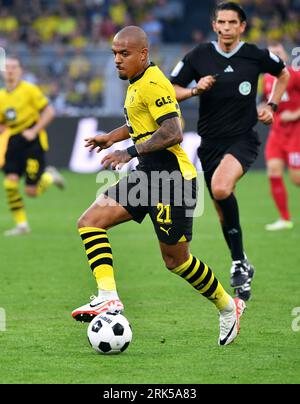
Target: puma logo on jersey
{"points": [[166, 230], [229, 69], [163, 101]]}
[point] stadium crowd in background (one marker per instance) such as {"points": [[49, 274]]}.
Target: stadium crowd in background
{"points": [[59, 39]]}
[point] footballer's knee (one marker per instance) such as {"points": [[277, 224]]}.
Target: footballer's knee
{"points": [[274, 173], [174, 255], [11, 182], [170, 262], [174, 261], [295, 176], [90, 219], [275, 168], [221, 191], [31, 191], [86, 220], [296, 180]]}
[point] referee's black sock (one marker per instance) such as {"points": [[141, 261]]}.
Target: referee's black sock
{"points": [[226, 235], [232, 229]]}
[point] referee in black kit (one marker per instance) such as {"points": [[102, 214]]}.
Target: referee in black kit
{"points": [[226, 72]]}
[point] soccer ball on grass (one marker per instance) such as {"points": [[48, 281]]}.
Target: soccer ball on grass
{"points": [[109, 333]]}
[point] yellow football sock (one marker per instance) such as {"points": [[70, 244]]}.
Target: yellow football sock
{"points": [[99, 255], [45, 182], [201, 277], [15, 201]]}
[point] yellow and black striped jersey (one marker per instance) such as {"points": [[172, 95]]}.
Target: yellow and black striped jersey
{"points": [[149, 101], [20, 109]]}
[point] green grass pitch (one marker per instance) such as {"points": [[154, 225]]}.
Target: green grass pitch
{"points": [[44, 276]]}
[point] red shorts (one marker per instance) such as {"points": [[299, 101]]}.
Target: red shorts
{"points": [[284, 145]]}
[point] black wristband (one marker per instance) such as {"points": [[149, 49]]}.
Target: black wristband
{"points": [[273, 106], [193, 91], [132, 151]]}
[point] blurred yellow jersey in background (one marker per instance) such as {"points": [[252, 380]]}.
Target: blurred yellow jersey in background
{"points": [[20, 109]]}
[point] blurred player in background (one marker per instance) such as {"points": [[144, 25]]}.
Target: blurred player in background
{"points": [[226, 72], [24, 115], [153, 122], [4, 136], [283, 144]]}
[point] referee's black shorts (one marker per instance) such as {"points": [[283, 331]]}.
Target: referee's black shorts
{"points": [[170, 202], [24, 157], [244, 148]]}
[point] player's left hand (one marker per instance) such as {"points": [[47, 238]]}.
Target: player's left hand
{"points": [[29, 134], [265, 115], [118, 157]]}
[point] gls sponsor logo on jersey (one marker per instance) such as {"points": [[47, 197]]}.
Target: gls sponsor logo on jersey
{"points": [[163, 101]]}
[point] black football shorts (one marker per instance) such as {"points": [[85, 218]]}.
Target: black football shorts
{"points": [[244, 148], [169, 200], [24, 157]]}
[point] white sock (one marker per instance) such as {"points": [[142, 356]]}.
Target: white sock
{"points": [[230, 307], [23, 224], [108, 294]]}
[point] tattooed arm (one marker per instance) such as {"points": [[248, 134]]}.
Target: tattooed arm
{"points": [[169, 134]]}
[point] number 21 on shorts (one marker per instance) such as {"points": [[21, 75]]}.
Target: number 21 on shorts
{"points": [[164, 214]]}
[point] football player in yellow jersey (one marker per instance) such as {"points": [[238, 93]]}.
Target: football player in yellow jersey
{"points": [[153, 122], [24, 115]]}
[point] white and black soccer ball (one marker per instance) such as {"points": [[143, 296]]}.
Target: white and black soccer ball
{"points": [[109, 333]]}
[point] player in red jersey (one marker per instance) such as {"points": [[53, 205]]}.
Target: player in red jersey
{"points": [[283, 144]]}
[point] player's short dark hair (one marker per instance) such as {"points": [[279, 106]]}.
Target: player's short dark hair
{"points": [[230, 5]]}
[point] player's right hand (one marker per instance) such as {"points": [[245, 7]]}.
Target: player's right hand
{"points": [[205, 83], [100, 141]]}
